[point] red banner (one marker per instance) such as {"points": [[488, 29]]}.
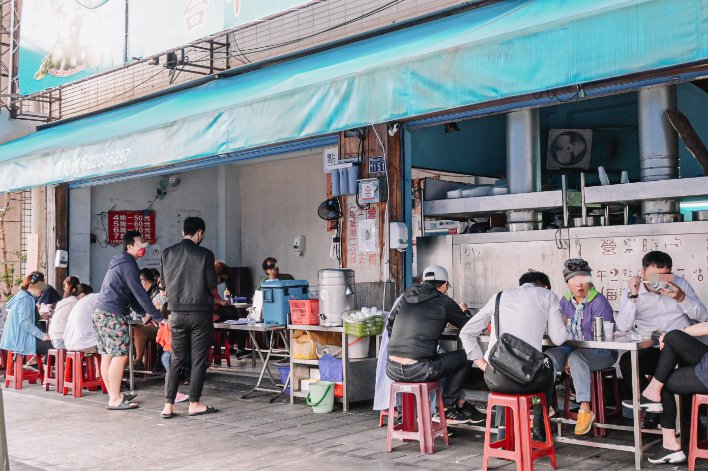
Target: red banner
{"points": [[119, 222]]}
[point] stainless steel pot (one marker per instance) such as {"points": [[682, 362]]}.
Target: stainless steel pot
{"points": [[336, 287], [591, 221], [700, 215]]}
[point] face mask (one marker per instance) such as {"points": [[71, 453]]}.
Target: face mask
{"points": [[141, 252]]}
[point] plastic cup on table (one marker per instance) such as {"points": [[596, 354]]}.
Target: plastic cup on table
{"points": [[609, 329]]}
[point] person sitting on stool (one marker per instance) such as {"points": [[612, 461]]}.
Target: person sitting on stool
{"points": [[415, 328], [525, 312]]}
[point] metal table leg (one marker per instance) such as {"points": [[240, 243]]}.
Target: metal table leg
{"points": [[131, 372], [635, 410], [264, 368]]}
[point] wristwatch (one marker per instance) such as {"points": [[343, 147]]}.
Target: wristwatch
{"points": [[632, 296]]}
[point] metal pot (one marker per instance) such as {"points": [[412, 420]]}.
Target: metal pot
{"points": [[700, 215], [336, 287], [591, 221]]}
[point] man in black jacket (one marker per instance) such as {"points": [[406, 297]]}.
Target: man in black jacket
{"points": [[415, 328], [189, 277]]}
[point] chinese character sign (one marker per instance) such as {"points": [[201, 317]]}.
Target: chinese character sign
{"points": [[119, 222]]}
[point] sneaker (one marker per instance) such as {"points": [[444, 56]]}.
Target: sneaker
{"points": [[669, 457], [242, 354], [454, 416], [646, 405], [473, 415], [584, 422], [650, 422], [138, 365], [181, 397], [538, 435]]}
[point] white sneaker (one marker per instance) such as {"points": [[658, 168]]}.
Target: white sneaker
{"points": [[181, 397], [669, 457]]}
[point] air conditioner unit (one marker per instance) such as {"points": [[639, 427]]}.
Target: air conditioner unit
{"points": [[569, 148]]}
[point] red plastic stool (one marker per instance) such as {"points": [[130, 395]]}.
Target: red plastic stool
{"points": [[417, 421], [3, 361], [82, 371], [517, 444], [695, 449], [383, 415], [16, 374], [54, 370], [597, 399], [221, 341]]}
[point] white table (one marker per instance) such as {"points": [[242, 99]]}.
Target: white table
{"points": [[276, 331]]}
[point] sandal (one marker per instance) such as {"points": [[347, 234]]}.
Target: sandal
{"points": [[125, 405], [168, 416], [208, 410], [129, 397]]}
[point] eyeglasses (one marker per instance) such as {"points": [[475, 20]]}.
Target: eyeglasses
{"points": [[271, 267]]}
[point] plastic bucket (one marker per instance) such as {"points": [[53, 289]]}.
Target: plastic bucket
{"points": [[358, 347], [284, 371], [321, 397]]}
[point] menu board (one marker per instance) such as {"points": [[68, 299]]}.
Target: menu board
{"points": [[616, 259], [119, 222]]}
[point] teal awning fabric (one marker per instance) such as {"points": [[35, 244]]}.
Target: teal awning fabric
{"points": [[502, 50]]}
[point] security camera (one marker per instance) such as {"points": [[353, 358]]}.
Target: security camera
{"points": [[393, 129]]}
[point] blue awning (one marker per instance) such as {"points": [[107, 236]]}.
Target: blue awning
{"points": [[502, 50]]}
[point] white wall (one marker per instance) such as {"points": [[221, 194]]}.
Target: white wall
{"points": [[196, 196], [252, 210], [279, 200]]}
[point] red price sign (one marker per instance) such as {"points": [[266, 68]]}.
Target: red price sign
{"points": [[119, 222]]}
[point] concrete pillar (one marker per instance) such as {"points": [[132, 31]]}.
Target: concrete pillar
{"points": [[80, 234], [229, 214]]}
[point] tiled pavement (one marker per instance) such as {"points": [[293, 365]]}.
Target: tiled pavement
{"points": [[46, 431]]}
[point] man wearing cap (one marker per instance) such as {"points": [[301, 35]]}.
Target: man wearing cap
{"points": [[415, 327], [579, 306]]}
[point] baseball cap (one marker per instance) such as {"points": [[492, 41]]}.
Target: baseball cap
{"points": [[435, 273]]}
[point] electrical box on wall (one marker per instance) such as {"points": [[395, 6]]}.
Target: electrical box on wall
{"points": [[398, 236], [299, 245], [373, 190]]}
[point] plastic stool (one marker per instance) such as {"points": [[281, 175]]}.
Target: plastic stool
{"points": [[16, 374], [383, 415], [417, 421], [54, 370], [219, 342], [597, 399], [695, 449], [517, 444], [82, 371]]}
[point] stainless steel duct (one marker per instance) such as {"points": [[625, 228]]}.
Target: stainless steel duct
{"points": [[523, 164], [658, 149]]}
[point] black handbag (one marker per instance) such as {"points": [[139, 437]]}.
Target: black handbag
{"points": [[513, 357]]}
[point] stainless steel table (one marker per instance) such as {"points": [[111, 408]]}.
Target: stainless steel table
{"points": [[131, 356], [621, 342], [276, 331]]}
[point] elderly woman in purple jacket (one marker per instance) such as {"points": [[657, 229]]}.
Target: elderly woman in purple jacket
{"points": [[579, 306]]}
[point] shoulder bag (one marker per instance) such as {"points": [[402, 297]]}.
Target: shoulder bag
{"points": [[513, 357]]}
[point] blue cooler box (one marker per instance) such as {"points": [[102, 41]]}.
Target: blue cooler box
{"points": [[276, 299]]}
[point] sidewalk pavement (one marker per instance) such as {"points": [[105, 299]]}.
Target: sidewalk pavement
{"points": [[47, 431]]}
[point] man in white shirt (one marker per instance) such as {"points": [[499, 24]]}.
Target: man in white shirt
{"points": [[667, 306], [79, 334], [525, 312]]}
